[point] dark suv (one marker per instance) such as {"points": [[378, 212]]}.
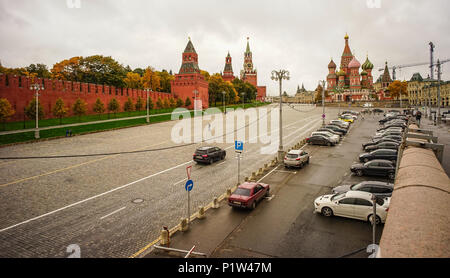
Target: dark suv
{"points": [[208, 154]]}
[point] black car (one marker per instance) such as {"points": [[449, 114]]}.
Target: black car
{"points": [[387, 133], [377, 167], [382, 145], [208, 154], [398, 125], [379, 141], [398, 138], [377, 110], [378, 188], [392, 118], [386, 154], [336, 128], [331, 130], [319, 140]]}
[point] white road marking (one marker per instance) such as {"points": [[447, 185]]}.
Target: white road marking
{"points": [[221, 163], [185, 179], [281, 171], [268, 173], [270, 197], [93, 197], [103, 217]]}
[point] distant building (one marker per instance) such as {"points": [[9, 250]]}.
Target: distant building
{"points": [[422, 91], [304, 96]]}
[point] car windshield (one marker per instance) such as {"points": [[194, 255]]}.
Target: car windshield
{"points": [[337, 196], [201, 151], [292, 155], [355, 186], [242, 192]]}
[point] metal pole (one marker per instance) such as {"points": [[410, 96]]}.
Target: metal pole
{"points": [[223, 101], [243, 100], [374, 215], [323, 103], [189, 208], [280, 146], [239, 166], [439, 92], [148, 117], [36, 132]]}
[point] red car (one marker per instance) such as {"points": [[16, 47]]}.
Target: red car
{"points": [[248, 194]]}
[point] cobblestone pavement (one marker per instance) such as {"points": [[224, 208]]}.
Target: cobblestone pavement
{"points": [[48, 204]]}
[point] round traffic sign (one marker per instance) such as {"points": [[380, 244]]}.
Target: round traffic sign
{"points": [[323, 115], [189, 185]]}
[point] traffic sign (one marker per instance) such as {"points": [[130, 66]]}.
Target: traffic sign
{"points": [[189, 185], [238, 145], [323, 116]]}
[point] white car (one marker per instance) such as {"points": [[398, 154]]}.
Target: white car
{"points": [[339, 122], [335, 138], [352, 204], [391, 129], [351, 115]]}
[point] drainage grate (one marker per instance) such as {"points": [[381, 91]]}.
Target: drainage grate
{"points": [[137, 201]]}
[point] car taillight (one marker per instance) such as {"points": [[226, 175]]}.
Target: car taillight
{"points": [[298, 158], [285, 157], [205, 155], [307, 139], [387, 209]]}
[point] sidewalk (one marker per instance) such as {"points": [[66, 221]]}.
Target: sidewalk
{"points": [[442, 131]]}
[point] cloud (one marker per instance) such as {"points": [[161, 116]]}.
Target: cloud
{"points": [[300, 36]]}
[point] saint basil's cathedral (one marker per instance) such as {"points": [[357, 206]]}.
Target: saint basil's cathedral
{"points": [[348, 84]]}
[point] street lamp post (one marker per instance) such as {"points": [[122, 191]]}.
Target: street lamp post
{"points": [[223, 100], [438, 118], [279, 76], [195, 101], [243, 100], [37, 87], [323, 101], [148, 109]]}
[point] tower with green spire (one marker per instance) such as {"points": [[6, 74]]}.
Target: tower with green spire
{"points": [[248, 74], [228, 69]]}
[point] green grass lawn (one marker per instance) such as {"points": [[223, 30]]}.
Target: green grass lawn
{"points": [[61, 132]]}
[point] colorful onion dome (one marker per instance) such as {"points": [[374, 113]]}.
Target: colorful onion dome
{"points": [[364, 72], [367, 64], [331, 65], [354, 63]]}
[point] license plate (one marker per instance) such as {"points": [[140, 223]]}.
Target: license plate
{"points": [[237, 203], [199, 157]]}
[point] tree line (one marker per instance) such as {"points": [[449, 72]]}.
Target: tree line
{"points": [[80, 107], [99, 69]]}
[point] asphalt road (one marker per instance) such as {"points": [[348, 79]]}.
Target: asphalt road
{"points": [[286, 225], [112, 206]]}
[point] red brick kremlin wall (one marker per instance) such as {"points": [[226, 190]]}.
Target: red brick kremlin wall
{"points": [[16, 89]]}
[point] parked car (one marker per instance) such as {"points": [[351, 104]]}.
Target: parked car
{"points": [[377, 110], [336, 128], [375, 167], [209, 154], [383, 145], [402, 126], [340, 123], [387, 133], [379, 141], [386, 154], [346, 118], [378, 188], [248, 194], [296, 158], [338, 133], [398, 138], [350, 112], [320, 139], [330, 135], [351, 115], [352, 204]]}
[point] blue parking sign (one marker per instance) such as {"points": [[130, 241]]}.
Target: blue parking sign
{"points": [[189, 185], [238, 145]]}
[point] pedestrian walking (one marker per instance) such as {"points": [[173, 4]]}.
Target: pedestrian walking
{"points": [[418, 117]]}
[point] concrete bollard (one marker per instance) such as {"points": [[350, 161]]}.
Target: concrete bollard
{"points": [[201, 212], [265, 166], [164, 237], [215, 203], [184, 224], [246, 179]]}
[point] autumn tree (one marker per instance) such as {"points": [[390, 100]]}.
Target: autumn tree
{"points": [[165, 79], [128, 106], [215, 88], [180, 102], [151, 79], [133, 80], [6, 111], [139, 103], [159, 103], [165, 103], [59, 110], [150, 103], [113, 106], [172, 102], [99, 107], [398, 88], [79, 108], [205, 74], [30, 110], [40, 70], [188, 102]]}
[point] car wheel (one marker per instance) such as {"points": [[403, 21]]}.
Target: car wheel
{"points": [[329, 144], [326, 211], [211, 161], [254, 204], [267, 193], [359, 173], [391, 176], [377, 220], [307, 161]]}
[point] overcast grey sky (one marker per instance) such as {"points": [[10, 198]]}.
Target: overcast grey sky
{"points": [[300, 36]]}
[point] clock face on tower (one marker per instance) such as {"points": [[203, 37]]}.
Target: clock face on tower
{"points": [[249, 65]]}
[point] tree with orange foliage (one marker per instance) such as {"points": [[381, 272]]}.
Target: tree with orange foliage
{"points": [[151, 79], [398, 88]]}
